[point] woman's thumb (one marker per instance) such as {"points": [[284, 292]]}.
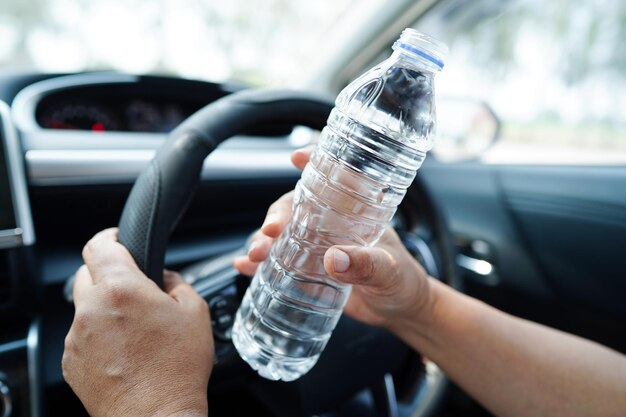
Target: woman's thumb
{"points": [[359, 265]]}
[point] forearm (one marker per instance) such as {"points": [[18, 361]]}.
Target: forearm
{"points": [[515, 367], [191, 414], [180, 406]]}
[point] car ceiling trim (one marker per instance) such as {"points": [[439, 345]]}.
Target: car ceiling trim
{"points": [[84, 167], [25, 103]]}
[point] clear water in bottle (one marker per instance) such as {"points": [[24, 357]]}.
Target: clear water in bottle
{"points": [[377, 137]]}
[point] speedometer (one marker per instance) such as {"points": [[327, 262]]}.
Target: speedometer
{"points": [[79, 115]]}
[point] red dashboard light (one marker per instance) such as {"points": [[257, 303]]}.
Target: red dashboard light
{"points": [[98, 127]]}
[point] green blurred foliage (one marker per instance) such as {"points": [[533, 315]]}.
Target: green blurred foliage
{"points": [[585, 30]]}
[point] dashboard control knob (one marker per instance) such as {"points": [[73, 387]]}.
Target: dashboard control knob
{"points": [[223, 310]]}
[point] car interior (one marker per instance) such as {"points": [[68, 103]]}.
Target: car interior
{"points": [[521, 204]]}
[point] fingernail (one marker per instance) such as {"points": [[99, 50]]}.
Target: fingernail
{"points": [[341, 260]]}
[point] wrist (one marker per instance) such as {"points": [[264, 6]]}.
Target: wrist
{"points": [[196, 410], [196, 406], [190, 413], [418, 321], [180, 406]]}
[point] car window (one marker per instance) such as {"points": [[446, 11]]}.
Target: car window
{"points": [[258, 42], [548, 78]]}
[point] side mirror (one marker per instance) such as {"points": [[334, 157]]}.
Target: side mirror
{"points": [[465, 129]]}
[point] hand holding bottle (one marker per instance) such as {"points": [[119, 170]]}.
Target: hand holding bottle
{"points": [[390, 287], [367, 156]]}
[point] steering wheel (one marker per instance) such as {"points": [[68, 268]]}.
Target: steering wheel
{"points": [[358, 356]]}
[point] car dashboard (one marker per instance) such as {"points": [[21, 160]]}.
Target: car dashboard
{"points": [[75, 143], [83, 140]]}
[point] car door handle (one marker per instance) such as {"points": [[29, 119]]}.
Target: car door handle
{"points": [[478, 270]]}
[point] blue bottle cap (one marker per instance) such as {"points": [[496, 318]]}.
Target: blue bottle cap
{"points": [[422, 45]]}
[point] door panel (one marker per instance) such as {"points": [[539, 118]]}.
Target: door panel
{"points": [[574, 222], [472, 198], [557, 232]]}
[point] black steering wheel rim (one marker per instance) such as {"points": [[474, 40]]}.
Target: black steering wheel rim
{"points": [[164, 189]]}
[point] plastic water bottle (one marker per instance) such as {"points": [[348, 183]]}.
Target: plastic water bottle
{"points": [[377, 136]]}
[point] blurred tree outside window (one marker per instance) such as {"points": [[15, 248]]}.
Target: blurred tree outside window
{"points": [[258, 42], [554, 72]]}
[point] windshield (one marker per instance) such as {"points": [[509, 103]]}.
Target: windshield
{"points": [[259, 42]]}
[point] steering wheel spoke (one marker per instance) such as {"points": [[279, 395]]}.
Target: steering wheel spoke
{"points": [[385, 401]]}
